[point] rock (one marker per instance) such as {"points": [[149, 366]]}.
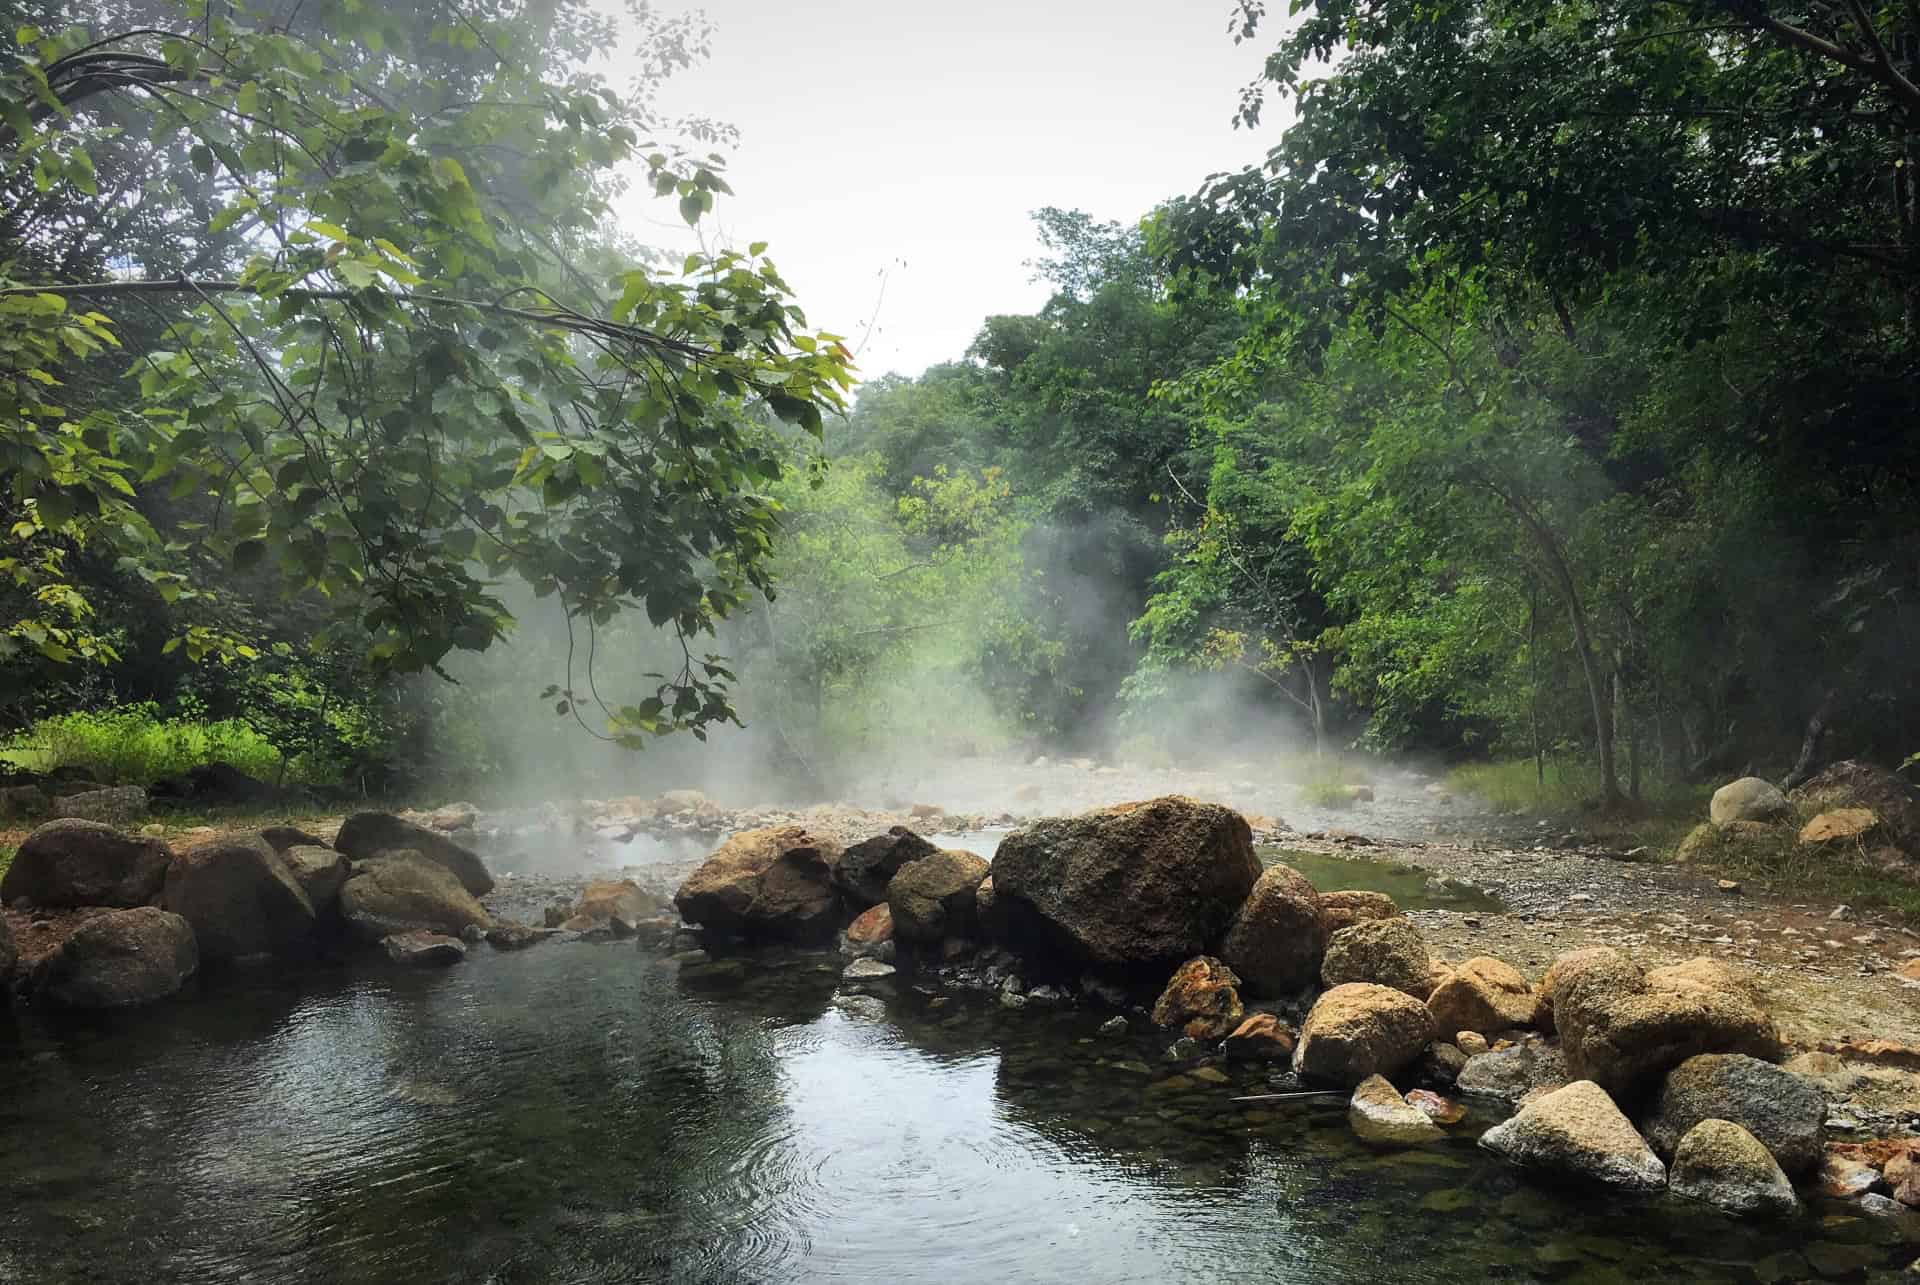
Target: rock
{"points": [[1201, 999], [320, 872], [1727, 885], [506, 936], [1114, 1027], [1785, 1112], [1720, 1163], [770, 884], [240, 898], [1440, 1065], [1185, 1049], [989, 911], [871, 928], [424, 948], [1510, 1074], [1386, 952], [1578, 1132], [616, 903], [1561, 973], [404, 892], [455, 816], [1379, 1115], [1844, 1179], [9, 953], [1748, 799], [1261, 1037], [1485, 995], [865, 869], [210, 785], [1472, 1043], [23, 802], [1436, 1108], [118, 959], [119, 805], [1344, 909], [1855, 784], [866, 970], [1620, 1032], [933, 896], [1361, 1029], [1842, 825], [1277, 939], [367, 834], [1702, 973], [677, 802], [74, 862], [1142, 888], [282, 837]]}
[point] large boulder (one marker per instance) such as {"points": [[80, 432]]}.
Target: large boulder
{"points": [[240, 898], [115, 805], [1784, 1111], [1149, 886], [1278, 937], [368, 834], [1854, 784], [1511, 1073], [775, 883], [19, 802], [933, 896], [1722, 1164], [1622, 1032], [118, 959], [1348, 907], [1379, 1115], [1747, 799], [865, 869], [320, 872], [424, 949], [404, 892], [1578, 1132], [1484, 995], [1361, 1029], [1201, 999], [1388, 952], [73, 862]]}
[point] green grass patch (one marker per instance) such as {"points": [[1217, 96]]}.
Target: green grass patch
{"points": [[6, 858], [134, 745], [1775, 862]]}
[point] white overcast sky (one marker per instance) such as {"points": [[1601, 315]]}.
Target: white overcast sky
{"points": [[912, 138]]}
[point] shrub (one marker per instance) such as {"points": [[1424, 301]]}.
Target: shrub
{"points": [[135, 745]]}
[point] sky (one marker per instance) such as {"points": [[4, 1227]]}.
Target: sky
{"points": [[891, 151]]}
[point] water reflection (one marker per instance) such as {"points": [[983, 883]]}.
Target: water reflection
{"points": [[576, 1113]]}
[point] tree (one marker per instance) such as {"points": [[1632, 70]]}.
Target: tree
{"points": [[422, 369]]}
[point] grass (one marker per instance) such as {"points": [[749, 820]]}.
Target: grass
{"points": [[134, 745], [1326, 780], [1779, 864], [1570, 793], [6, 858]]}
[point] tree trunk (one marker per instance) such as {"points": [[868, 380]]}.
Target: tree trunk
{"points": [[1803, 766], [1533, 687]]}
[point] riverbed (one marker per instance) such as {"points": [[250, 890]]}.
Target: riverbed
{"points": [[584, 1112]]}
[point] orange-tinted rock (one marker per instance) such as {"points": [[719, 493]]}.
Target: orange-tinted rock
{"points": [[1438, 1109], [872, 926], [774, 883], [1262, 1037], [1201, 999], [1344, 909], [1485, 995]]}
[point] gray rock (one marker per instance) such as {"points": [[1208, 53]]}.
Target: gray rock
{"points": [[1578, 1132], [1379, 1115], [1510, 1074], [424, 948], [116, 805], [867, 970], [368, 834], [1114, 1027], [865, 869], [240, 898], [404, 893], [1279, 935], [119, 959], [506, 936], [72, 862], [321, 873], [1722, 1164], [19, 802], [1748, 799], [1784, 1111]]}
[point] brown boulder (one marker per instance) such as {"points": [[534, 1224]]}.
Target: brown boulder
{"points": [[320, 872], [1344, 909], [774, 883], [118, 959], [1578, 1132], [1842, 825], [865, 869], [424, 948], [1277, 938], [1854, 784], [240, 898], [1388, 952], [1484, 995], [368, 834], [1361, 1029], [617, 902], [404, 892], [1150, 886], [1561, 973], [1201, 999], [933, 896], [871, 926], [1621, 1032], [1261, 1037], [71, 862]]}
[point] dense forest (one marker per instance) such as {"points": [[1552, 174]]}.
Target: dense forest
{"points": [[1545, 391]]}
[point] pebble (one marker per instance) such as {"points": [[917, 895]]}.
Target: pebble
{"points": [[1114, 1027], [1841, 913], [1728, 885]]}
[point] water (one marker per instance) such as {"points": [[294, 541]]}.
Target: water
{"points": [[580, 1113]]}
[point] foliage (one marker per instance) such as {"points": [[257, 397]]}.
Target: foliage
{"points": [[137, 745], [408, 363]]}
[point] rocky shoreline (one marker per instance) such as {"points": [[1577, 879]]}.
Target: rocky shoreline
{"points": [[1630, 1075]]}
